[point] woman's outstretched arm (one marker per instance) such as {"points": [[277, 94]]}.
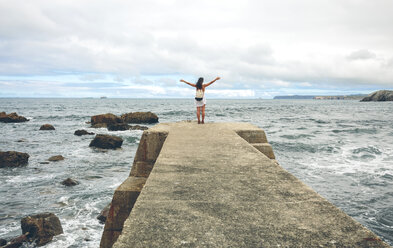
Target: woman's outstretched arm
{"points": [[217, 78], [184, 81]]}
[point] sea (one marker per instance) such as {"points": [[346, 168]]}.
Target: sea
{"points": [[342, 149]]}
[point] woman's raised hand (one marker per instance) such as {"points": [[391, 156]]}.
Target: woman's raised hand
{"points": [[218, 78]]}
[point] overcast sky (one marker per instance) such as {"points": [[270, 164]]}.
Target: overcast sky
{"points": [[260, 49]]}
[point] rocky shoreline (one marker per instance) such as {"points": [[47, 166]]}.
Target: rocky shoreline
{"points": [[41, 228]]}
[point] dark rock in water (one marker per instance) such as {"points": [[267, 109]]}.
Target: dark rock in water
{"points": [[17, 242], [99, 125], [41, 227], [104, 120], [21, 140], [140, 117], [379, 96], [47, 127], [82, 132], [11, 118], [13, 159], [44, 162], [56, 158], [69, 182], [118, 127], [137, 127], [104, 214], [3, 242], [106, 141]]}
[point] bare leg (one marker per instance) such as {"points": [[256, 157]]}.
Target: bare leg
{"points": [[199, 114], [203, 114]]}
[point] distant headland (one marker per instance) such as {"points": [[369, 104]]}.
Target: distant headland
{"points": [[294, 97], [379, 96], [315, 97]]}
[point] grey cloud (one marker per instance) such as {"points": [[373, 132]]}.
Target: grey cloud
{"points": [[361, 54], [390, 62], [94, 85], [258, 54]]}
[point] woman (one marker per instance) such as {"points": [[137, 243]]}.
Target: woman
{"points": [[200, 100]]}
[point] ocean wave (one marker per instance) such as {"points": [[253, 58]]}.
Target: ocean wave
{"points": [[63, 117], [302, 147], [319, 121], [293, 147], [372, 180], [132, 139], [356, 131], [344, 125], [329, 149], [295, 137], [176, 113], [386, 217], [387, 176], [288, 119], [368, 149], [366, 153], [92, 177], [364, 157]]}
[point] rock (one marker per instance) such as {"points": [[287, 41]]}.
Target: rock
{"points": [[47, 127], [380, 95], [44, 162], [82, 132], [140, 117], [13, 159], [11, 118], [41, 227], [21, 140], [104, 120], [17, 242], [3, 242], [69, 182], [99, 125], [56, 158], [137, 127], [106, 141], [118, 127], [104, 214]]}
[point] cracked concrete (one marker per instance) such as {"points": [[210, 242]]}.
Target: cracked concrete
{"points": [[210, 187]]}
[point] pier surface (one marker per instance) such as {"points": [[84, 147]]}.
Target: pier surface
{"points": [[218, 185]]}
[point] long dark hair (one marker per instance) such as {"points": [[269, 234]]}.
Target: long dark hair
{"points": [[199, 83]]}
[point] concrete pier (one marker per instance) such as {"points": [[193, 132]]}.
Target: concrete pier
{"points": [[219, 185]]}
